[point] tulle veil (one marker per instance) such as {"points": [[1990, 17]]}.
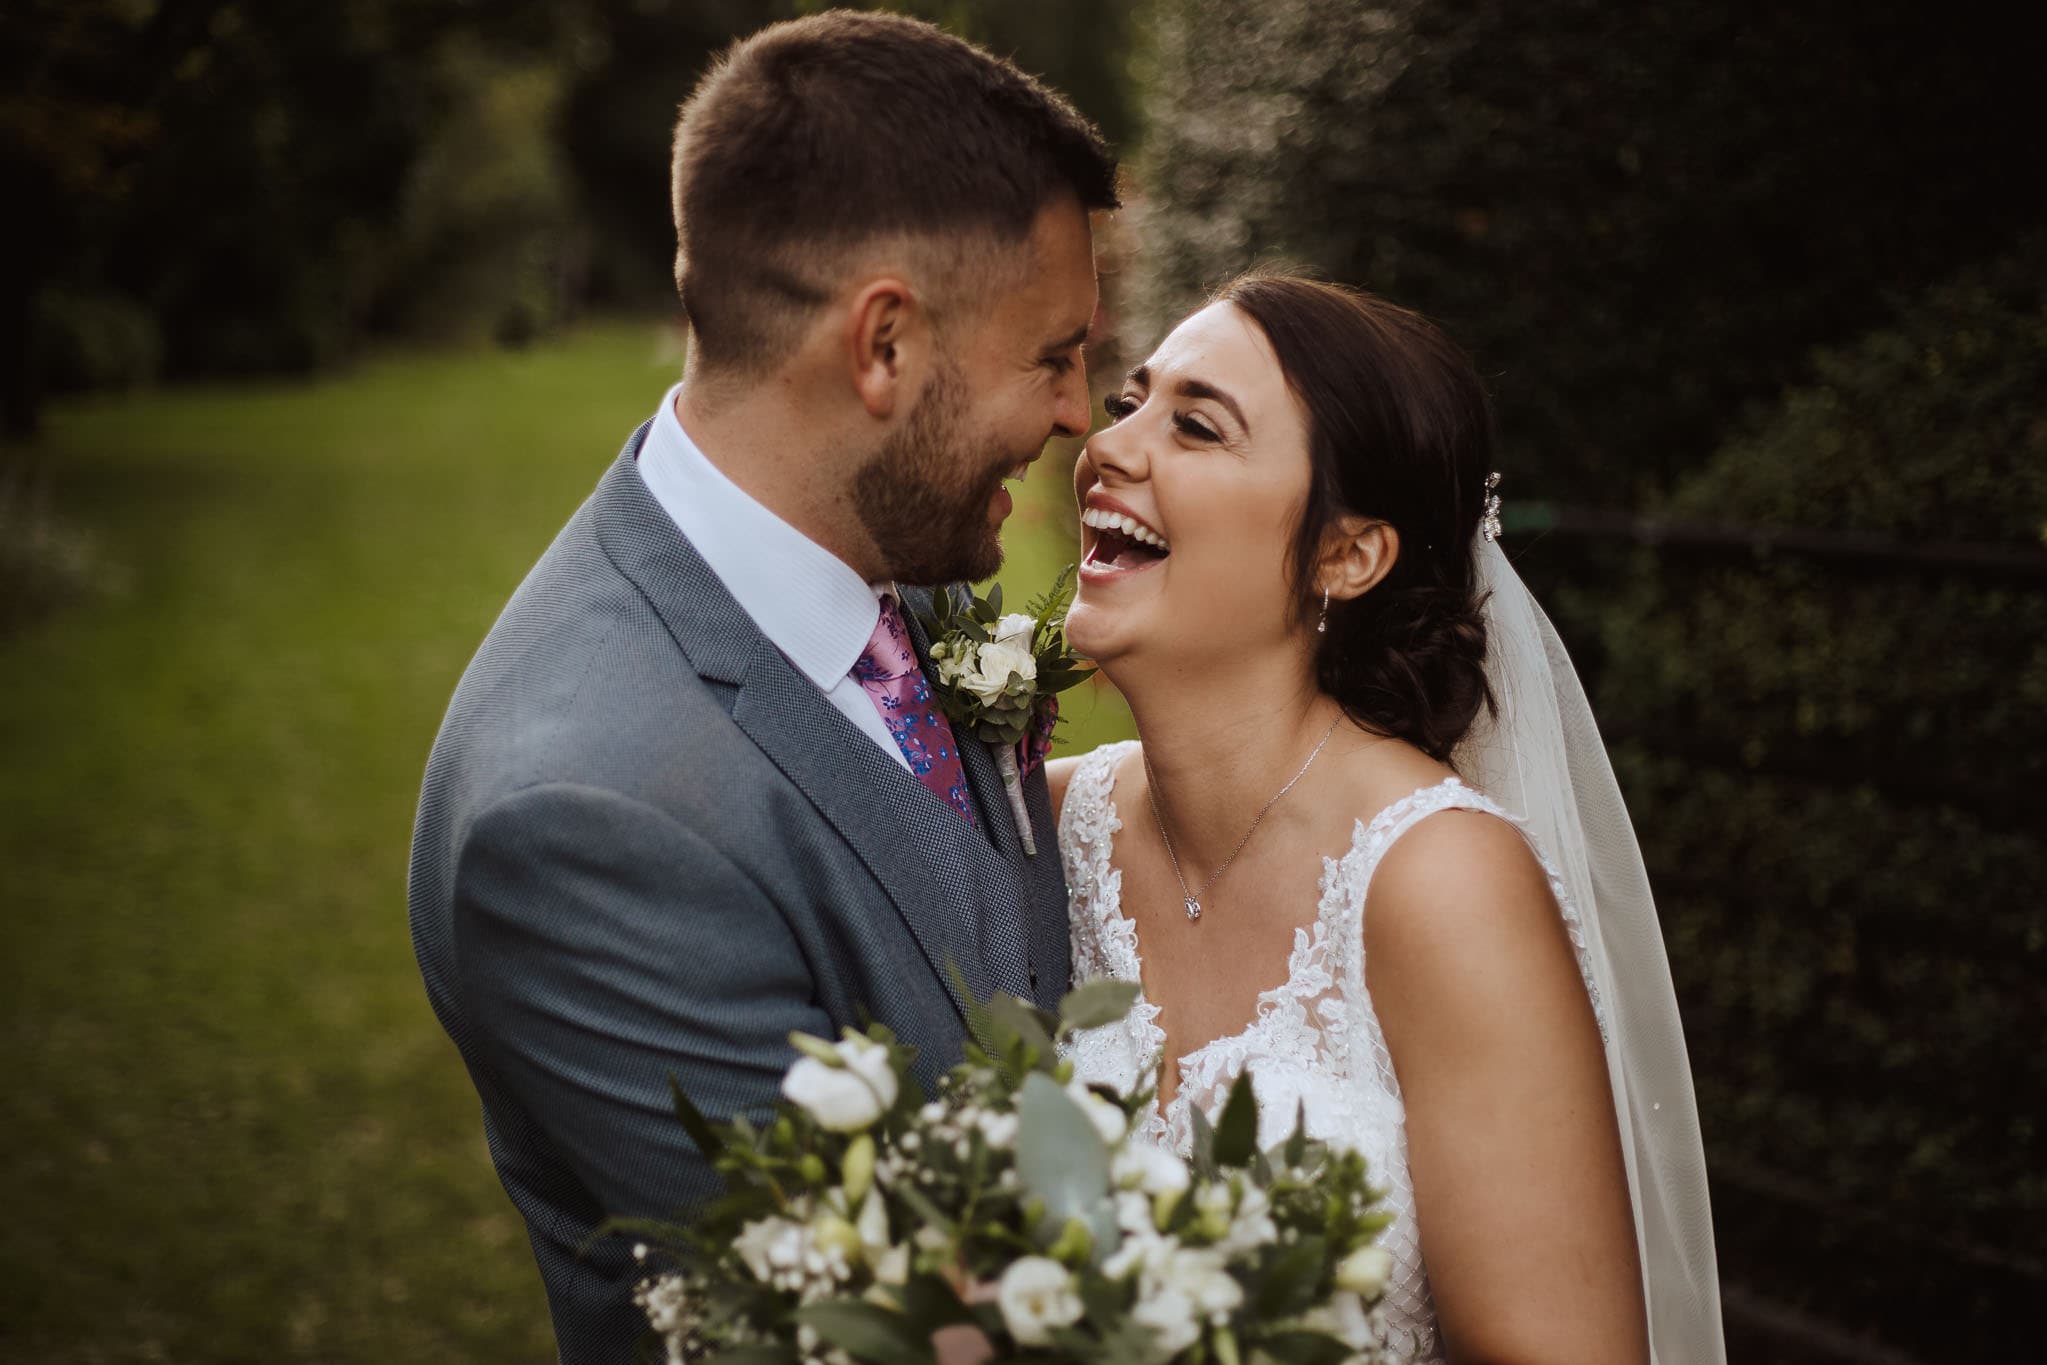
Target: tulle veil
{"points": [[1541, 757]]}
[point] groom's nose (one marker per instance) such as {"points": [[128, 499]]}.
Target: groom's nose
{"points": [[1069, 400]]}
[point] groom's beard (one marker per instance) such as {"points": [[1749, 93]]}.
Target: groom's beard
{"points": [[924, 503]]}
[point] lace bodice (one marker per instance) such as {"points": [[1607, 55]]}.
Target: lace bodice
{"points": [[1315, 1042]]}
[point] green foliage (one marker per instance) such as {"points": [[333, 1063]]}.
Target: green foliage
{"points": [[1637, 217], [268, 186], [484, 236], [235, 1130], [1836, 775]]}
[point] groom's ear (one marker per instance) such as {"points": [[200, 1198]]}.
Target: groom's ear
{"points": [[886, 344], [1356, 554]]}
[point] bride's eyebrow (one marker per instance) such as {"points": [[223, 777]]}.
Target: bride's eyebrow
{"points": [[1191, 388]]}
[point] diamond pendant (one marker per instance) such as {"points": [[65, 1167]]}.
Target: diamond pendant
{"points": [[1193, 908]]}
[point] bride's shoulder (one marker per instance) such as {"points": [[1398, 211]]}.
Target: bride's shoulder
{"points": [[1460, 908], [1060, 772]]}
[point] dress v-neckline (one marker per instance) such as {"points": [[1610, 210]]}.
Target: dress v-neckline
{"points": [[1121, 930]]}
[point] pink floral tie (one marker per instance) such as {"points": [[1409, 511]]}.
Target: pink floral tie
{"points": [[888, 672]]}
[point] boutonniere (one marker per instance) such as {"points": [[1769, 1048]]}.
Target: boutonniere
{"points": [[999, 676]]}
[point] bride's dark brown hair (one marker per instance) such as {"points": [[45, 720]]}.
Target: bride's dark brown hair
{"points": [[1400, 430]]}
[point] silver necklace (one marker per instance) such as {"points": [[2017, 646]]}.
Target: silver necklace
{"points": [[1192, 899]]}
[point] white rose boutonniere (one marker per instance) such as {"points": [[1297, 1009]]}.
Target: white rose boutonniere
{"points": [[999, 677]]}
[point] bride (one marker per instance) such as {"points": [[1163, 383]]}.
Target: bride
{"points": [[1369, 846]]}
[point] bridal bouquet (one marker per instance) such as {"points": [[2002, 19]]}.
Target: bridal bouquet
{"points": [[1017, 1216]]}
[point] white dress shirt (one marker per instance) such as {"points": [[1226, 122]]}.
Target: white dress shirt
{"points": [[806, 600]]}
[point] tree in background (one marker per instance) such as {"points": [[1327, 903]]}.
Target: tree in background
{"points": [[646, 55], [1637, 217], [221, 188]]}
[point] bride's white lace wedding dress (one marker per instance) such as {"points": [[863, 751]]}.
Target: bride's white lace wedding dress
{"points": [[1315, 1042]]}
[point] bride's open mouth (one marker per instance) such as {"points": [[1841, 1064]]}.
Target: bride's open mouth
{"points": [[1120, 544]]}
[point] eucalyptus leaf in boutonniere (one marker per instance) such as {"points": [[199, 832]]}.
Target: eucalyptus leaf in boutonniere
{"points": [[999, 676]]}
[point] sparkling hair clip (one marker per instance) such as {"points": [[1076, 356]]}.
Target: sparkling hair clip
{"points": [[1489, 523]]}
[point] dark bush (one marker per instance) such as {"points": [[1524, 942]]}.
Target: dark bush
{"points": [[1836, 770]]}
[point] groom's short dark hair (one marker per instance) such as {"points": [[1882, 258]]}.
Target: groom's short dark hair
{"points": [[816, 136]]}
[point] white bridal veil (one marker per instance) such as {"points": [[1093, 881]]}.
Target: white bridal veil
{"points": [[1542, 757]]}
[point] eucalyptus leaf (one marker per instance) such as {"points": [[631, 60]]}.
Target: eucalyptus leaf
{"points": [[1025, 1021], [1298, 1347], [1201, 1150], [757, 1355], [927, 1212], [1060, 1157], [979, 1023], [1297, 1142], [1290, 1281], [930, 1303], [1099, 1002], [995, 600], [694, 1123], [867, 1332], [1236, 1132]]}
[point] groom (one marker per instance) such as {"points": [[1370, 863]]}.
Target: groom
{"points": [[686, 799]]}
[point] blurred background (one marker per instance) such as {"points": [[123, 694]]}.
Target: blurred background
{"points": [[319, 319]]}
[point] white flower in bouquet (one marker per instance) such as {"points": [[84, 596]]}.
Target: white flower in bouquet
{"points": [[806, 1259], [1243, 1215], [849, 1091], [1036, 1294], [1365, 1271], [666, 1301], [1180, 1289], [1109, 1119], [872, 1225], [1346, 1318], [753, 1242], [1234, 1216], [892, 1267], [998, 1130], [1151, 1169]]}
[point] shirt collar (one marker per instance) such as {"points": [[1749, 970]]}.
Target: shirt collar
{"points": [[808, 602]]}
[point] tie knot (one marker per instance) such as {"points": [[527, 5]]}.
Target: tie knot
{"points": [[888, 654]]}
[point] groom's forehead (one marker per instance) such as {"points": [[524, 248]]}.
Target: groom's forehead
{"points": [[1052, 304]]}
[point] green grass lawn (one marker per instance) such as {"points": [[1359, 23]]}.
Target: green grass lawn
{"points": [[234, 1130]]}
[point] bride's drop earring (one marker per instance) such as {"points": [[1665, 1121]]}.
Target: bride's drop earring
{"points": [[1322, 622]]}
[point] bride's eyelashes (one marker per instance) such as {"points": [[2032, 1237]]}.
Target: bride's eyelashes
{"points": [[1118, 407]]}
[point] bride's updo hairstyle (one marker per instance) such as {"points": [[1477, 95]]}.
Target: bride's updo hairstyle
{"points": [[1399, 430]]}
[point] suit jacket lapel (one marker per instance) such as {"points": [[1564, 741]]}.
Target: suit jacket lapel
{"points": [[997, 852], [899, 830]]}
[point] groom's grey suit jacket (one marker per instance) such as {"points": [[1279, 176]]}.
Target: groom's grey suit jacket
{"points": [[649, 847]]}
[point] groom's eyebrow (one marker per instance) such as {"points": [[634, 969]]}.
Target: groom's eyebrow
{"points": [[1077, 337]]}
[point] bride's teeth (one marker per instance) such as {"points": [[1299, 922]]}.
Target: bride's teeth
{"points": [[1102, 520]]}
